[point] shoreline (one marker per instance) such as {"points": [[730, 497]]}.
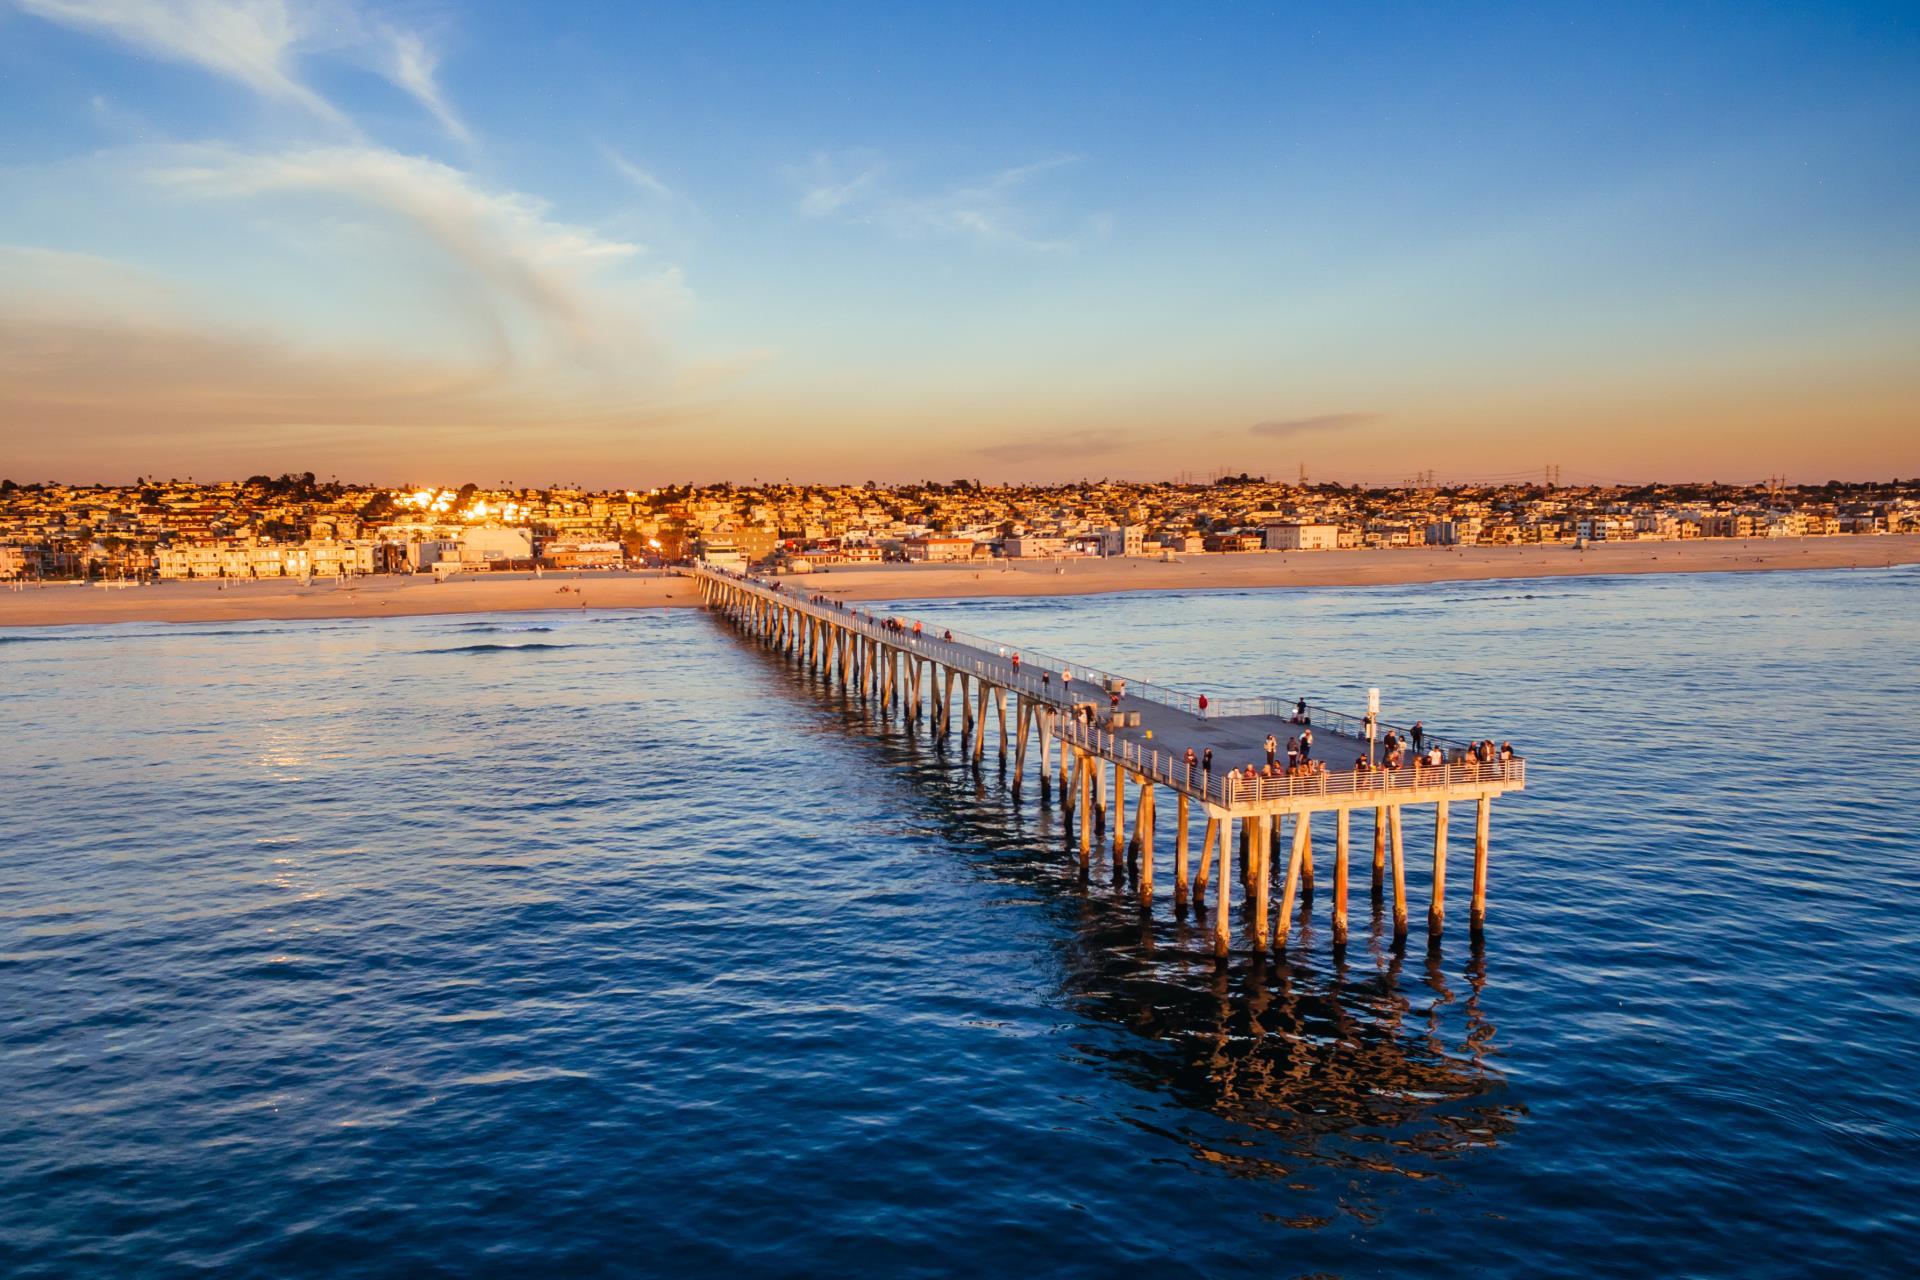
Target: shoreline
{"points": [[64, 604]]}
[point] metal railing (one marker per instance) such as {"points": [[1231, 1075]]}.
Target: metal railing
{"points": [[1233, 788], [1034, 679]]}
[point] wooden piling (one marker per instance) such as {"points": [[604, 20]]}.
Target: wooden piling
{"points": [[1340, 822], [1437, 911], [1022, 721], [1306, 862], [1143, 836], [1221, 924], [1086, 813], [1119, 811], [1180, 852], [1263, 850], [1379, 852], [1206, 854], [1399, 876], [1477, 912], [1284, 928], [980, 721]]}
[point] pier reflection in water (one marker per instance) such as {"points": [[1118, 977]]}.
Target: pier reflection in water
{"points": [[1334, 1070]]}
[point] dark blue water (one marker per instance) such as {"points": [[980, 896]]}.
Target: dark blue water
{"points": [[605, 944]]}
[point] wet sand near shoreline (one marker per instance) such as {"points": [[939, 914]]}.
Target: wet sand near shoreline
{"points": [[395, 596]]}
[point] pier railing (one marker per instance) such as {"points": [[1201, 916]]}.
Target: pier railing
{"points": [[1234, 788], [1319, 716], [1038, 678]]}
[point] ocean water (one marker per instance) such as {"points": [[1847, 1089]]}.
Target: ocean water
{"points": [[601, 944]]}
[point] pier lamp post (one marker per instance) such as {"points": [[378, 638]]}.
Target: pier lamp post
{"points": [[1373, 723]]}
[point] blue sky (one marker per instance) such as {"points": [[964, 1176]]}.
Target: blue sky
{"points": [[629, 243]]}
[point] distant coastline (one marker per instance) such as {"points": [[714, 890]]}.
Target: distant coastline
{"points": [[400, 596]]}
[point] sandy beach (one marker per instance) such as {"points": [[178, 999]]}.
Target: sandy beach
{"points": [[66, 604]]}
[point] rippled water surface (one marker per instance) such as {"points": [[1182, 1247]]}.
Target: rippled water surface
{"points": [[605, 944]]}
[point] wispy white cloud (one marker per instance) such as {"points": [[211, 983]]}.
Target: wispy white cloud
{"points": [[831, 183], [505, 241], [1057, 446], [854, 187], [251, 41], [261, 43], [412, 68], [1288, 428], [642, 180]]}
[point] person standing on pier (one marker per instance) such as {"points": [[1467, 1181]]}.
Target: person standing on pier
{"points": [[1306, 744], [1016, 662], [1272, 747], [1191, 760], [1419, 732], [1293, 753], [1203, 706], [1206, 764]]}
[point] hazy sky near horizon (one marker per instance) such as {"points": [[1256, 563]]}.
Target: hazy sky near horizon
{"points": [[629, 243]]}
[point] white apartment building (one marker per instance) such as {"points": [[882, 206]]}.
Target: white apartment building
{"points": [[236, 559], [1302, 537], [496, 542], [1127, 540]]}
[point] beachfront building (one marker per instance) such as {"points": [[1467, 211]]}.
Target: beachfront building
{"points": [[1124, 540], [1302, 537], [1032, 546], [495, 542], [584, 555], [242, 558], [938, 550], [342, 557], [1463, 531]]}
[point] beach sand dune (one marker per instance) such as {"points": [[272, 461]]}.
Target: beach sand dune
{"points": [[393, 596]]}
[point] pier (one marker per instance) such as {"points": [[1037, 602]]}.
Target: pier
{"points": [[1117, 747]]}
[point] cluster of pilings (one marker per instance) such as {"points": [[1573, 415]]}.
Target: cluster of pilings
{"points": [[918, 677]]}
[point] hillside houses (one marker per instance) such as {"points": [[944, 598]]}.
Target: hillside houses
{"points": [[297, 526]]}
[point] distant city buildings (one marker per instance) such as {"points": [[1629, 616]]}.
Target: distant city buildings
{"points": [[295, 526]]}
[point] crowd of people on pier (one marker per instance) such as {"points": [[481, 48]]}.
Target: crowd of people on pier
{"points": [[1413, 752]]}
